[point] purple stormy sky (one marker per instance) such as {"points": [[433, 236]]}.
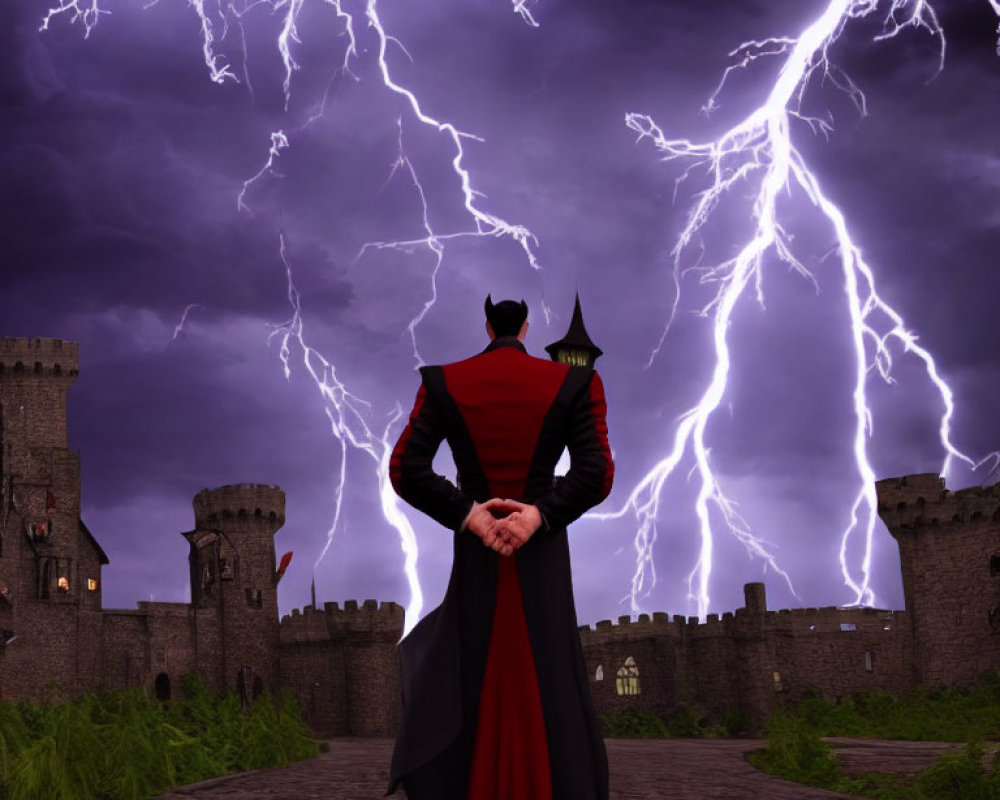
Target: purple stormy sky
{"points": [[120, 167]]}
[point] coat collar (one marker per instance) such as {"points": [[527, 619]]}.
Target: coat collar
{"points": [[505, 341]]}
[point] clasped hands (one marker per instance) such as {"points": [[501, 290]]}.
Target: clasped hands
{"points": [[507, 533]]}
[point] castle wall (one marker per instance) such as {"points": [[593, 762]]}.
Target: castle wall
{"points": [[655, 645], [343, 663], [753, 660], [344, 668]]}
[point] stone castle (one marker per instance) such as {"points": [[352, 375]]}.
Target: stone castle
{"points": [[57, 640]]}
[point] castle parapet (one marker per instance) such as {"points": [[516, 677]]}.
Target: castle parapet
{"points": [[260, 502], [914, 501], [21, 358], [369, 620]]}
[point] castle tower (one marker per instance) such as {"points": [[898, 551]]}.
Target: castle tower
{"points": [[49, 562], [949, 550], [233, 593]]}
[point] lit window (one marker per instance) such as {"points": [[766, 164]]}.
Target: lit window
{"points": [[627, 681], [92, 584], [599, 674], [62, 582]]}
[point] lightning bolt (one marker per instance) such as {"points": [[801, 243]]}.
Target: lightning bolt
{"points": [[349, 415], [179, 327], [340, 401], [349, 423], [759, 152]]}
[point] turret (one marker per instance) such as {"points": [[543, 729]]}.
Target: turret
{"points": [[233, 583], [575, 347], [34, 377], [949, 551]]}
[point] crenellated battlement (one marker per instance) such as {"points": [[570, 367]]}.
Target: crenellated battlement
{"points": [[22, 358], [828, 619], [370, 619], [240, 502], [914, 501]]}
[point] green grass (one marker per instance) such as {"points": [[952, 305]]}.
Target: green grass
{"points": [[122, 745], [795, 752]]}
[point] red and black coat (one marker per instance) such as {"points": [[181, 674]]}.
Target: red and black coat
{"points": [[507, 417]]}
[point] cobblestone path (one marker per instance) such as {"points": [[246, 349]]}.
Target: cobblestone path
{"points": [[671, 769]]}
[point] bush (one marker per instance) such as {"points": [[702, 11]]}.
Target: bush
{"points": [[794, 751], [960, 777], [634, 724]]}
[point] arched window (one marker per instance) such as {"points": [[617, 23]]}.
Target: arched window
{"points": [[599, 674], [627, 681], [162, 686]]}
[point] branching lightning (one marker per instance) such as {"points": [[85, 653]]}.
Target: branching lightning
{"points": [[348, 413], [759, 152]]}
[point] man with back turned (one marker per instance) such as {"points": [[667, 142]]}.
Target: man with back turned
{"points": [[496, 698]]}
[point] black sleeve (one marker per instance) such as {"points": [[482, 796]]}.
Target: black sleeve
{"points": [[591, 470], [411, 467]]}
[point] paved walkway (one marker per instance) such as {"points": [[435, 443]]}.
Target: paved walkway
{"points": [[662, 769]]}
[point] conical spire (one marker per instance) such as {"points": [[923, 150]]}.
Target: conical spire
{"points": [[575, 347]]}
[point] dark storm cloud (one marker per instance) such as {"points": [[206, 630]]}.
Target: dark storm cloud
{"points": [[121, 162]]}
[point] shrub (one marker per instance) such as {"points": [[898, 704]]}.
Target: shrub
{"points": [[634, 724], [794, 751]]}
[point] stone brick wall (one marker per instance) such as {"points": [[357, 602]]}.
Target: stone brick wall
{"points": [[343, 666], [753, 660], [949, 547], [240, 522]]}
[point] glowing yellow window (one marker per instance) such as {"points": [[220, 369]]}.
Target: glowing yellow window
{"points": [[92, 584], [627, 680]]}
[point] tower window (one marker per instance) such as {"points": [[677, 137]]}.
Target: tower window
{"points": [[599, 674], [39, 530], [869, 661]]}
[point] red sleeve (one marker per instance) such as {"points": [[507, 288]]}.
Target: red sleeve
{"points": [[411, 467]]}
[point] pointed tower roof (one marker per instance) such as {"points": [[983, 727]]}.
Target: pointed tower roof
{"points": [[576, 338]]}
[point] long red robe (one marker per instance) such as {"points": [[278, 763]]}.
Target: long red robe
{"points": [[496, 698]]}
